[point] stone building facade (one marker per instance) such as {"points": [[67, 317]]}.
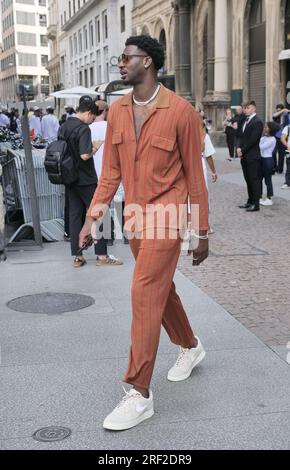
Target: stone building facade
{"points": [[223, 52]]}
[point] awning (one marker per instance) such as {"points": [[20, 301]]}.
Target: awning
{"points": [[284, 55]]}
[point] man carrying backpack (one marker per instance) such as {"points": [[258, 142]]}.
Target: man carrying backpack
{"points": [[76, 133]]}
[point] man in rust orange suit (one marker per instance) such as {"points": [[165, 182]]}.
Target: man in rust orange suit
{"points": [[153, 145]]}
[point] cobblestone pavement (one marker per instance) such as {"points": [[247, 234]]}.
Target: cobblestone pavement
{"points": [[248, 269]]}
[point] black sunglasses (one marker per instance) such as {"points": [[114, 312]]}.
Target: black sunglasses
{"points": [[126, 57]]}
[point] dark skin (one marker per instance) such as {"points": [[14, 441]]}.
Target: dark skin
{"points": [[137, 69]]}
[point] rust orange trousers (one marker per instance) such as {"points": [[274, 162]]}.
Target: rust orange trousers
{"points": [[154, 303]]}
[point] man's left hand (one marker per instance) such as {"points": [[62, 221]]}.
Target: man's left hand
{"points": [[200, 254]]}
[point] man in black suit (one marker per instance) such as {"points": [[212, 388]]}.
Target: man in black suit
{"points": [[250, 155]]}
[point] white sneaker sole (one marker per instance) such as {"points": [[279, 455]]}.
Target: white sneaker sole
{"points": [[187, 375], [129, 424]]}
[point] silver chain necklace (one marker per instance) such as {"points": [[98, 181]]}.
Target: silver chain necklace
{"points": [[144, 103]]}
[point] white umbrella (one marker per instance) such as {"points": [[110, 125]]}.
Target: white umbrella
{"points": [[75, 92]]}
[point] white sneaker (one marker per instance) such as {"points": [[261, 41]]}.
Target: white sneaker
{"points": [[186, 361], [267, 202], [261, 201], [132, 410], [285, 186]]}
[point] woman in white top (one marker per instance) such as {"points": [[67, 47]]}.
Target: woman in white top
{"points": [[208, 161]]}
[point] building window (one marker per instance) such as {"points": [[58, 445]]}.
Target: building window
{"points": [[162, 40], [92, 78], [44, 60], [44, 85], [287, 25], [42, 20], [75, 44], [42, 3], [105, 24], [91, 30], [43, 40], [27, 60], [98, 30], [80, 78], [26, 39], [86, 78], [74, 7], [71, 46], [85, 38], [69, 9], [122, 19], [257, 32], [26, 18], [80, 41]]}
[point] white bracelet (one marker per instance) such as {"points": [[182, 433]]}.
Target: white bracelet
{"points": [[200, 237]]}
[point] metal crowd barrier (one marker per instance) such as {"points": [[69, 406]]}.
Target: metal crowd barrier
{"points": [[51, 198]]}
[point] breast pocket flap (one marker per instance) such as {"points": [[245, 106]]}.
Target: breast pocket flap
{"points": [[162, 143], [117, 138]]}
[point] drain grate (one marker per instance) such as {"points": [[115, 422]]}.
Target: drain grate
{"points": [[50, 303], [52, 434]]}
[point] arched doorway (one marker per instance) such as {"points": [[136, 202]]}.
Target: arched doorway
{"points": [[257, 55], [162, 40]]}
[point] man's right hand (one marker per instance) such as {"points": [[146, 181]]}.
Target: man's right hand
{"points": [[86, 231]]}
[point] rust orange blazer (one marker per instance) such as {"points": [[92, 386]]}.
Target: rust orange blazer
{"points": [[164, 166]]}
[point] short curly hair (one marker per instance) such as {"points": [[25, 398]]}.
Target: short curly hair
{"points": [[151, 46]]}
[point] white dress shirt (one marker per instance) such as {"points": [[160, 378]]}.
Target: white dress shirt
{"points": [[249, 118], [35, 123], [4, 120], [49, 127]]}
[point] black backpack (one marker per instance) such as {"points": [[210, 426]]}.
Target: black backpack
{"points": [[59, 163]]}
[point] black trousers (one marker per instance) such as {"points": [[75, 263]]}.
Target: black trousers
{"points": [[287, 180], [267, 170], [79, 198], [281, 153], [252, 170], [231, 140]]}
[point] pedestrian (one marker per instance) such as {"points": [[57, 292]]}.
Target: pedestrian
{"points": [[153, 144], [76, 132], [238, 123], [282, 118], [230, 131], [208, 161], [285, 141], [49, 125], [208, 153], [63, 119], [98, 131], [70, 112], [35, 122], [250, 155], [4, 120], [267, 146]]}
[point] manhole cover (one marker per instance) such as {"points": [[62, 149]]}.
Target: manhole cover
{"points": [[51, 434], [50, 303]]}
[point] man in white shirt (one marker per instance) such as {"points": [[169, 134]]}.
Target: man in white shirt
{"points": [[49, 125], [4, 120], [35, 122]]}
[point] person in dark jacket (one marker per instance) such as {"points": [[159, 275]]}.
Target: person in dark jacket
{"points": [[250, 155], [281, 117]]}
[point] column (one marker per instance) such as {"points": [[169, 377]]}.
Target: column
{"points": [[183, 68], [176, 46], [221, 50], [210, 45]]}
